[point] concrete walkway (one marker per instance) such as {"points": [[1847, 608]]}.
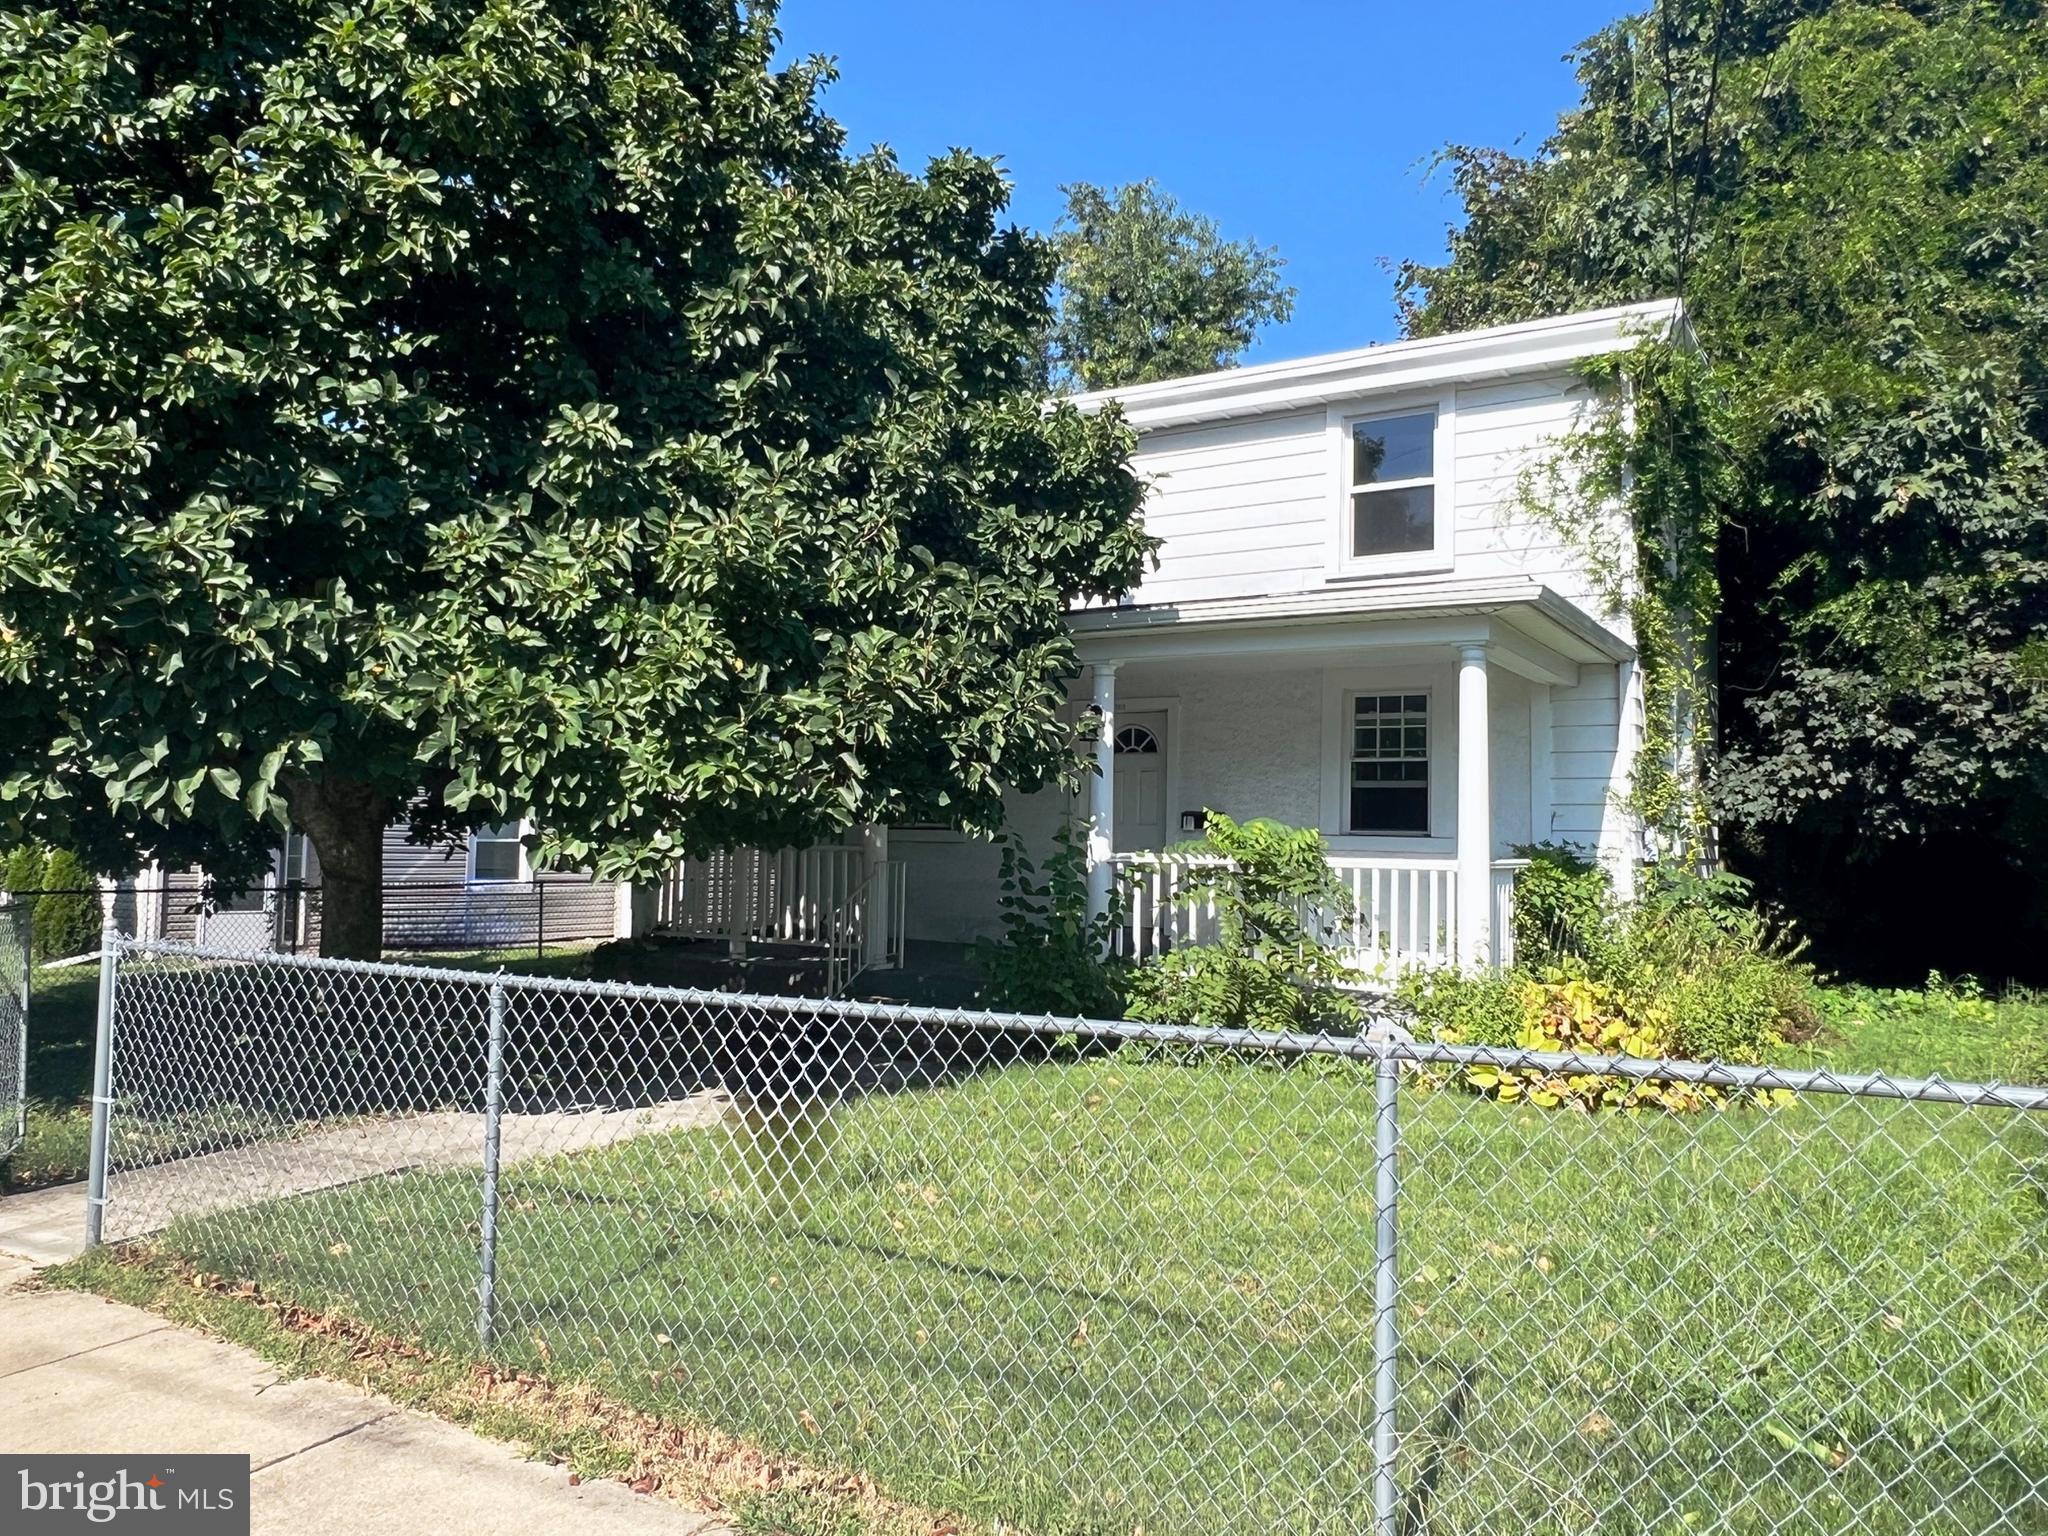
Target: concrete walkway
{"points": [[82, 1375], [48, 1225]]}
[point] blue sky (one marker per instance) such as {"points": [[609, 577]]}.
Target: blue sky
{"points": [[1306, 124]]}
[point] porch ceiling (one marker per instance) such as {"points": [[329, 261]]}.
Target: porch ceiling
{"points": [[1531, 629]]}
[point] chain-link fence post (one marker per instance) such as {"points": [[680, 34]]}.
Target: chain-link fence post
{"points": [[25, 936], [1386, 1142], [540, 919], [102, 1087], [494, 1105]]}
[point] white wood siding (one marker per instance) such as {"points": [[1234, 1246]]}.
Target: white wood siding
{"points": [[1252, 507], [1503, 432], [1245, 507], [1595, 731]]}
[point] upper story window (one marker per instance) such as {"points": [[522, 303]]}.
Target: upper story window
{"points": [[1393, 473], [496, 853], [1393, 485]]}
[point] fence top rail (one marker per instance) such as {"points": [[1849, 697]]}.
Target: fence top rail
{"points": [[1387, 1042]]}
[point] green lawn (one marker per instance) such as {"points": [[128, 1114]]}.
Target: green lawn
{"points": [[1115, 1295], [53, 1148], [1957, 1035]]}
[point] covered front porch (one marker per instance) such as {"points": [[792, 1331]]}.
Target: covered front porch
{"points": [[1426, 732]]}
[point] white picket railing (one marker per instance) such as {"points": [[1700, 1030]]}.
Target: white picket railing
{"points": [[1404, 909], [769, 896]]}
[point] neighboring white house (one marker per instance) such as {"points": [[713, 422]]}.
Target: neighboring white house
{"points": [[1355, 624]]}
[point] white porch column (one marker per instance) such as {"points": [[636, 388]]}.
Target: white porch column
{"points": [[1475, 811], [874, 841], [1102, 793]]}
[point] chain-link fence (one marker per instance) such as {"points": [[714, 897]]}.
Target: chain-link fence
{"points": [[1069, 1276], [16, 946]]}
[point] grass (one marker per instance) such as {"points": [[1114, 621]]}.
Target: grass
{"points": [[57, 1131], [1954, 1031], [590, 1435], [1116, 1294]]}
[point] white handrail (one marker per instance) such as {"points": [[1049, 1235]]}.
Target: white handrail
{"points": [[850, 951]]}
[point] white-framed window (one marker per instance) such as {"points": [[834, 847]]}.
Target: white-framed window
{"points": [[1394, 489], [498, 853], [1387, 771]]}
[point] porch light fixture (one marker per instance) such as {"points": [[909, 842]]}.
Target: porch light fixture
{"points": [[1194, 821]]}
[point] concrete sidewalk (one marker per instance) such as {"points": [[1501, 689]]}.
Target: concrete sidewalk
{"points": [[85, 1375]]}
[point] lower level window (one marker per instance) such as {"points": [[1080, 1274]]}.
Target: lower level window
{"points": [[1390, 764], [495, 853]]}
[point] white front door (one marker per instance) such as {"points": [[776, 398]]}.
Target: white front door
{"points": [[1140, 781]]}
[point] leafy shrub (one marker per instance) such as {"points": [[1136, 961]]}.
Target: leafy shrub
{"points": [[1461, 1007], [1563, 901], [1963, 997], [67, 920], [24, 869], [1733, 984], [1689, 971], [1052, 958], [1275, 898], [1578, 1015]]}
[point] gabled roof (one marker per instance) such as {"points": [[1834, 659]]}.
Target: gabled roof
{"points": [[1531, 346]]}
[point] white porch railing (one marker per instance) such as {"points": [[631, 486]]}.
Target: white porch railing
{"points": [[779, 896], [1405, 910], [830, 897]]}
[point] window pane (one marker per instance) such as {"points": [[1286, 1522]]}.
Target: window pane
{"points": [[496, 859], [1390, 809], [1401, 522], [251, 899], [1390, 773], [1398, 448]]}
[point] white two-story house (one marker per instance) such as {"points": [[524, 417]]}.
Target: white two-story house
{"points": [[1358, 622]]}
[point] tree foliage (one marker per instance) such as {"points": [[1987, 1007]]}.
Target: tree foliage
{"points": [[1149, 290], [516, 407], [1850, 196], [67, 917]]}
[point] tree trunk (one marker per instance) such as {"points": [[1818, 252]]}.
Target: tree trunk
{"points": [[345, 821]]}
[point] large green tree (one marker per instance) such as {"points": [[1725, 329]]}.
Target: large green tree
{"points": [[524, 405], [1851, 196], [1149, 290]]}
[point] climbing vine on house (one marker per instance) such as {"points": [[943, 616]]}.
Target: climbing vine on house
{"points": [[1639, 488]]}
